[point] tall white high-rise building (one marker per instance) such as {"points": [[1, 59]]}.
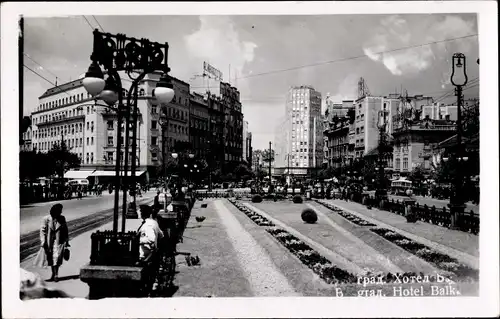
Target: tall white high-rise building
{"points": [[299, 136]]}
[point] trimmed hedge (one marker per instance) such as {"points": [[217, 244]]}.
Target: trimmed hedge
{"points": [[297, 199], [309, 216], [257, 199]]}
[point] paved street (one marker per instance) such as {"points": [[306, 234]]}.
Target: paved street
{"points": [[31, 215]]}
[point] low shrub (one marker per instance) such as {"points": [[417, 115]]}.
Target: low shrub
{"points": [[309, 216], [297, 199], [257, 199]]}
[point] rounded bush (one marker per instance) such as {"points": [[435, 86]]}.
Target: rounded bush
{"points": [[297, 199], [257, 199], [309, 216]]}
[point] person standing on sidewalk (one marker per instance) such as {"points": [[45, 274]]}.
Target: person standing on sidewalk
{"points": [[54, 239], [149, 233]]}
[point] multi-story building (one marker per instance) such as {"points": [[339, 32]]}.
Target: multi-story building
{"points": [[367, 118], [199, 129], [233, 125], [301, 131], [248, 148], [415, 140], [439, 111], [27, 140], [340, 149], [335, 109], [67, 112]]}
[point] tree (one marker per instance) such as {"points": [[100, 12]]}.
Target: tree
{"points": [[369, 173], [62, 159], [243, 172], [268, 156], [33, 164], [418, 174]]}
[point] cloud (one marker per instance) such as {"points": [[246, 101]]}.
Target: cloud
{"points": [[395, 32], [218, 43], [347, 89]]}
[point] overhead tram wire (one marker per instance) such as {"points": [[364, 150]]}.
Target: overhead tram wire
{"points": [[354, 57], [44, 68], [100, 26], [90, 25], [41, 76]]}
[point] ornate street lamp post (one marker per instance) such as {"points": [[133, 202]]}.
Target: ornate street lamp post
{"points": [[458, 79], [120, 53], [381, 192]]}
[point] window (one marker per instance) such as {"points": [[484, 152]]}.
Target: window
{"points": [[87, 141], [153, 109], [110, 156], [110, 140], [92, 127], [154, 140], [88, 126], [92, 141], [81, 141], [154, 156], [87, 155], [88, 112], [153, 125], [405, 163], [110, 125], [91, 158]]}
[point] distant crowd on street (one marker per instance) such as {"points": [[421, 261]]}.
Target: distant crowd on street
{"points": [[35, 193]]}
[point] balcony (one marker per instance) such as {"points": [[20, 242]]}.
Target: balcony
{"points": [[62, 119]]}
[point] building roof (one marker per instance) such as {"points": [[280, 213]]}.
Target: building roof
{"points": [[62, 88]]}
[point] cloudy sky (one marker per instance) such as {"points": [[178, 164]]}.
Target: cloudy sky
{"points": [[265, 55]]}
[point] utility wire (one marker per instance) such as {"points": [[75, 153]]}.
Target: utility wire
{"points": [[44, 68], [100, 26], [90, 25], [41, 76], [354, 57]]}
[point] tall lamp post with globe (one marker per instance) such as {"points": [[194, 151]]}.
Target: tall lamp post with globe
{"points": [[114, 269], [120, 53]]}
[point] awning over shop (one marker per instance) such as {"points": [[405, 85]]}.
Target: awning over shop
{"points": [[73, 174], [112, 173]]}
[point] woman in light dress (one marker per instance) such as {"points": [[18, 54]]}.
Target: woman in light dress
{"points": [[54, 239]]}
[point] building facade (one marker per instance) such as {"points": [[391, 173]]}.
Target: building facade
{"points": [[340, 149], [27, 140], [248, 148], [300, 134], [212, 126], [414, 142], [367, 118], [199, 128]]}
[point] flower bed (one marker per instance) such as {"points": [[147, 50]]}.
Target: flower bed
{"points": [[430, 255], [350, 217], [312, 259], [255, 217]]}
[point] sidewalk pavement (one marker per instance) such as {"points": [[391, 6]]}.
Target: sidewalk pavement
{"points": [[219, 273], [459, 240], [69, 272]]}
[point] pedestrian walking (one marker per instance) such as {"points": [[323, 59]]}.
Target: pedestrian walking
{"points": [[54, 239]]}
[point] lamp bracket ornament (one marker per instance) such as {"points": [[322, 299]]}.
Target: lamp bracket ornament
{"points": [[121, 53]]}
